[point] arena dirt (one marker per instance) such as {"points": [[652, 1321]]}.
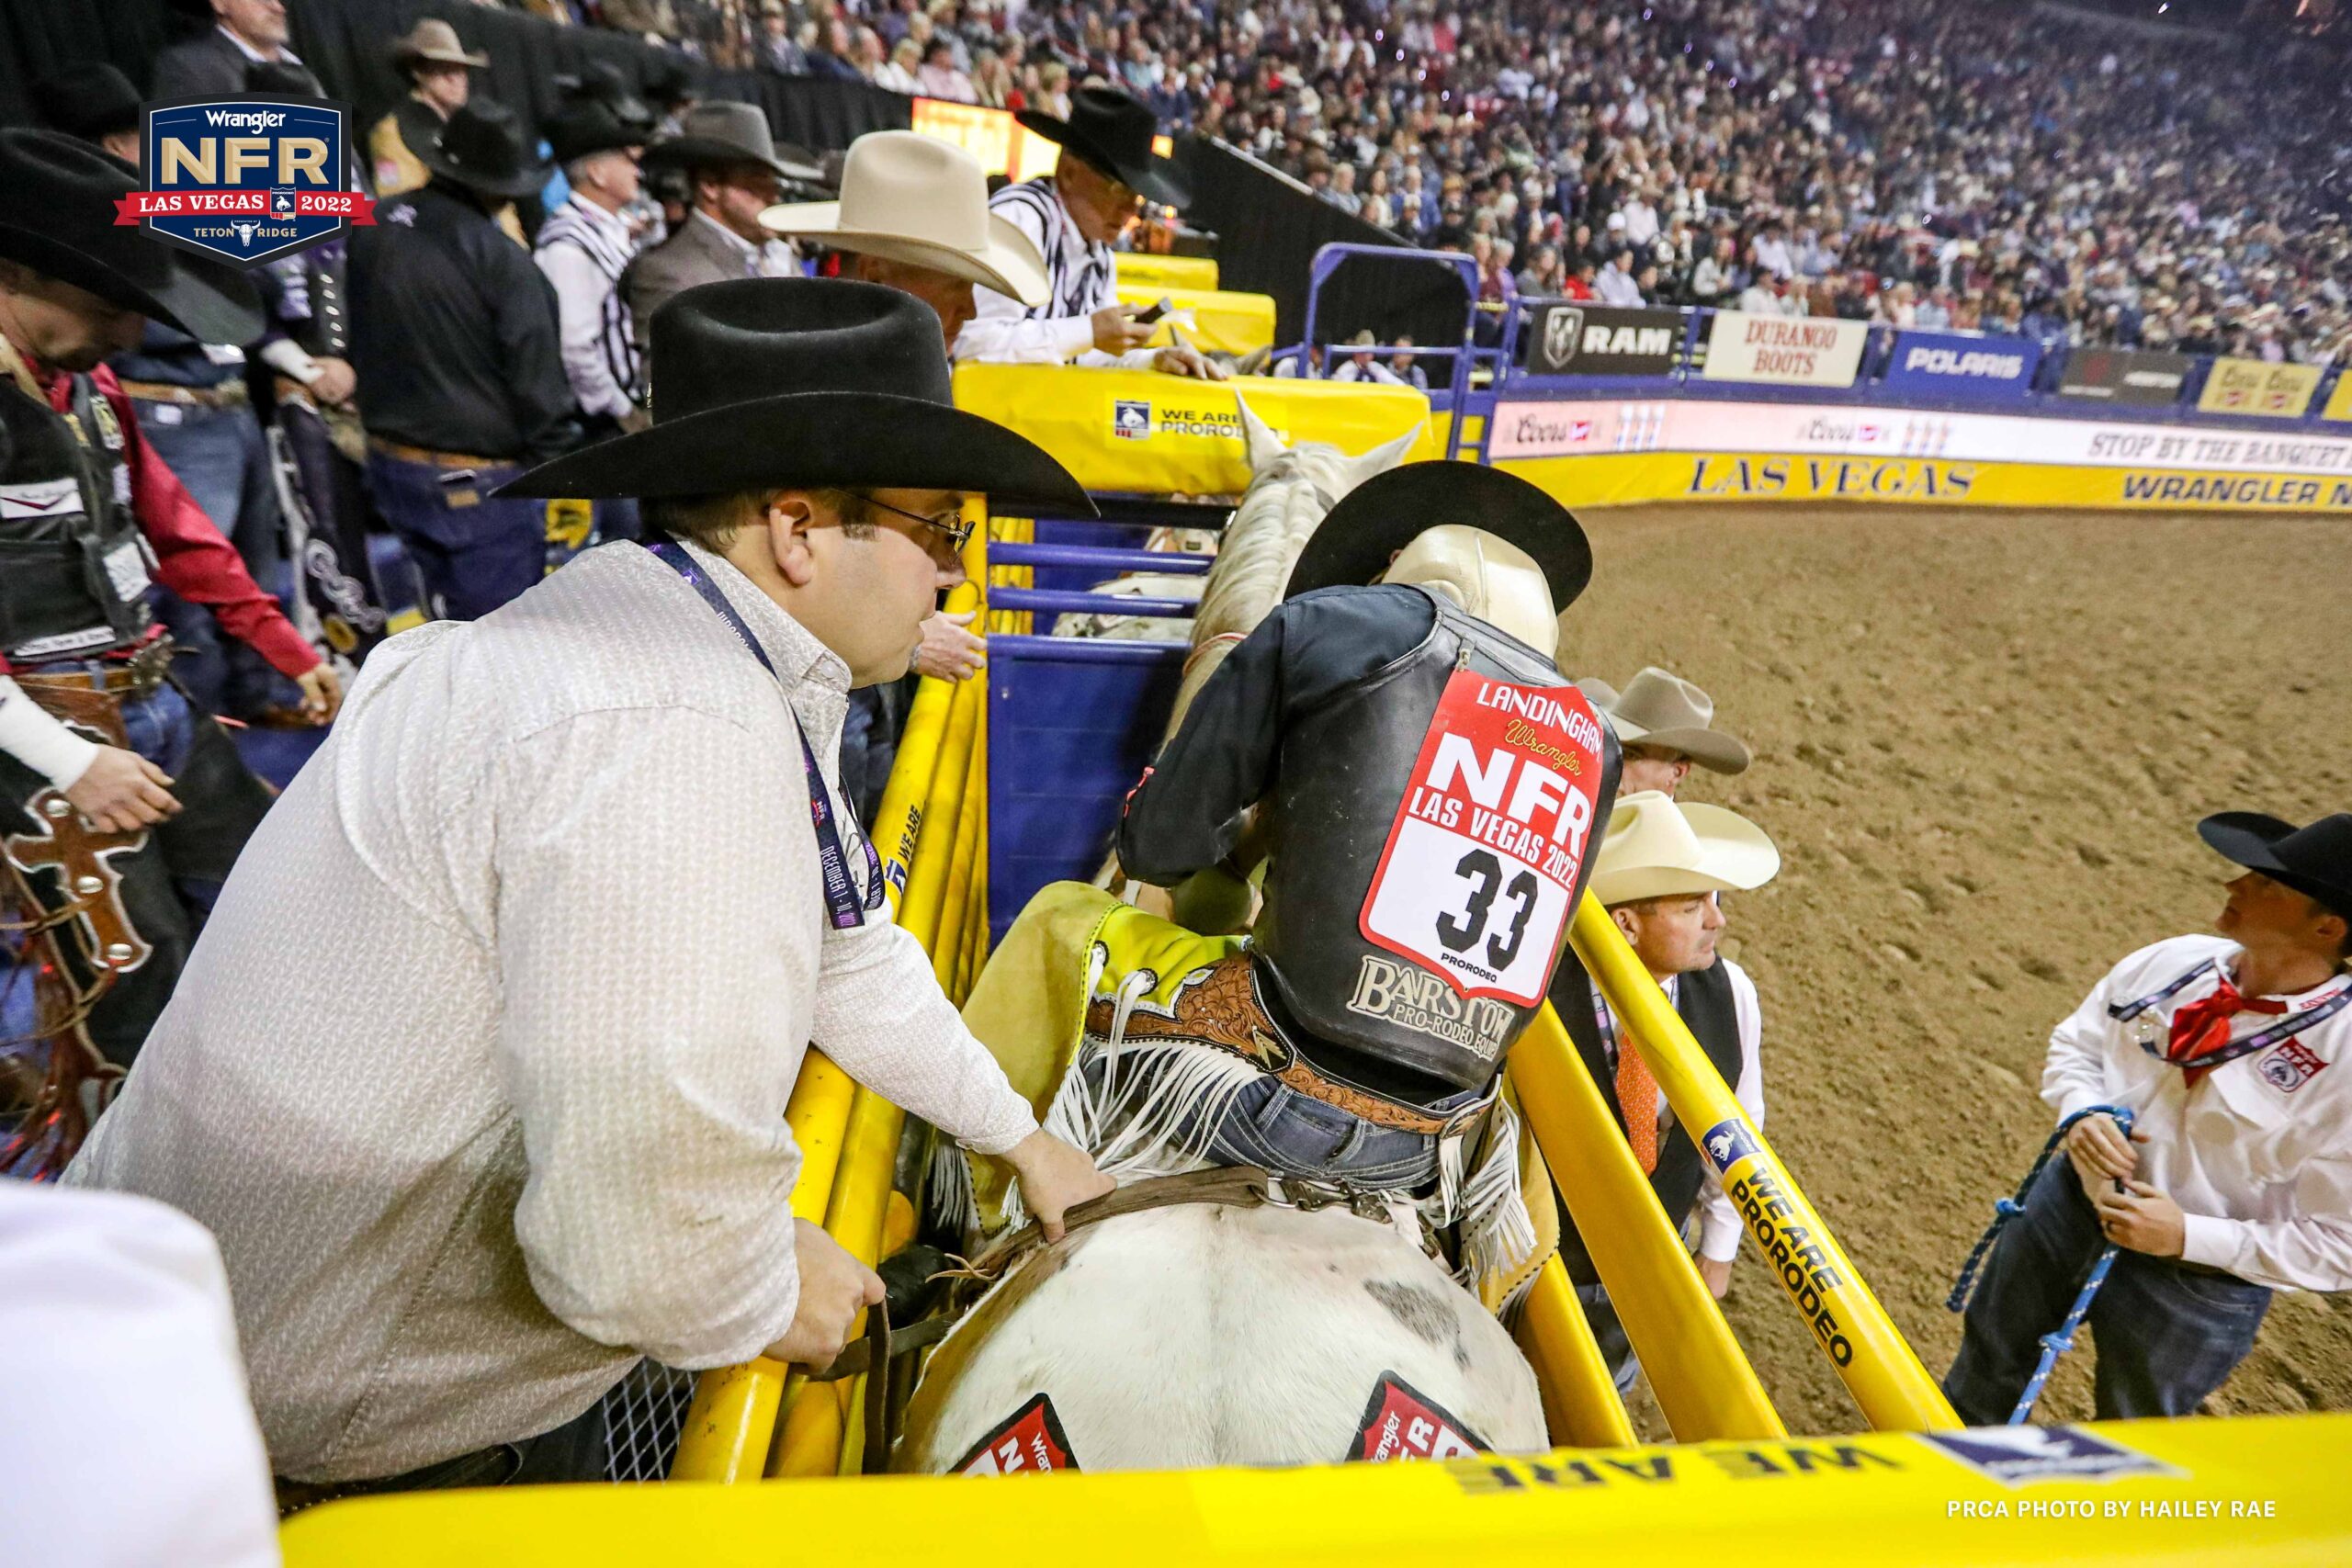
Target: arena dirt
{"points": [[1982, 744]]}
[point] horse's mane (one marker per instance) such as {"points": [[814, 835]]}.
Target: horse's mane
{"points": [[1290, 491]]}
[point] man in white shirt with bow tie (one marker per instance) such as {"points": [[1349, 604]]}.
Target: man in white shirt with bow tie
{"points": [[2236, 1177]]}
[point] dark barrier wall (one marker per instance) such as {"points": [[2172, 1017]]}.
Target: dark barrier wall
{"points": [[1269, 229], [347, 44]]}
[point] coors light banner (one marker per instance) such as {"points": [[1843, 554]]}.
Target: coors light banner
{"points": [[1603, 340]]}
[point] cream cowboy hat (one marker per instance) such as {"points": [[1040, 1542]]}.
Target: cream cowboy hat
{"points": [[1658, 848], [435, 40], [913, 198], [1659, 710]]}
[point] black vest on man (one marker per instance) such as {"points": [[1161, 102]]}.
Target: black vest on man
{"points": [[1341, 784], [73, 567], [1704, 1001]]}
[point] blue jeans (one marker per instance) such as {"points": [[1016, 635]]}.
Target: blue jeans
{"points": [[1608, 1334], [2166, 1336], [474, 550], [219, 455], [1271, 1125]]}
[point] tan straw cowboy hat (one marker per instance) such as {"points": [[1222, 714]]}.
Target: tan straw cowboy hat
{"points": [[435, 40], [916, 200], [1659, 710], [1659, 848]]}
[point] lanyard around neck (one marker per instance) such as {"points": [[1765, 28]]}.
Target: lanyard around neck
{"points": [[2285, 1029], [840, 898]]}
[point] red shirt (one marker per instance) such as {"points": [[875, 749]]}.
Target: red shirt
{"points": [[192, 557]]}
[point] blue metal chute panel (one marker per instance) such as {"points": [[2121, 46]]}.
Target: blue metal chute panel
{"points": [[1078, 579], [1073, 724]]}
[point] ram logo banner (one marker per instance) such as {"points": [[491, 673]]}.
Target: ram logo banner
{"points": [[1603, 340], [1958, 364], [245, 177]]}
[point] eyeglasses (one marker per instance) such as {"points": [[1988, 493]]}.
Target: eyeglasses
{"points": [[958, 532]]}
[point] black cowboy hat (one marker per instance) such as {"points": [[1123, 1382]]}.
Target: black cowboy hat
{"points": [[1358, 538], [668, 82], [1114, 133], [88, 101], [2316, 860], [583, 127], [481, 147], [720, 134], [66, 190], [781, 381], [604, 85]]}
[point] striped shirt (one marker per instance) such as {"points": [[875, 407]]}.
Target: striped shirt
{"points": [[1080, 276], [584, 250]]}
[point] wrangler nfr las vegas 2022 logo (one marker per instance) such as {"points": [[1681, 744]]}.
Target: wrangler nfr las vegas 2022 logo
{"points": [[246, 178]]}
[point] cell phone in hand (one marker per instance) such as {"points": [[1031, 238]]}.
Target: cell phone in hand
{"points": [[1150, 315]]}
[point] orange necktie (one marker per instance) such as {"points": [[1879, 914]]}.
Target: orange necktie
{"points": [[1637, 1098]]}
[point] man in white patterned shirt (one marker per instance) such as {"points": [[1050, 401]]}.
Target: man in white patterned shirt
{"points": [[1106, 170], [2237, 1179], [479, 1073]]}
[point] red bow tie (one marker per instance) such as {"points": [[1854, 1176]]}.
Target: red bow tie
{"points": [[2202, 1027]]}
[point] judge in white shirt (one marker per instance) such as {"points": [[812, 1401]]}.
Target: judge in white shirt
{"points": [[2237, 1179], [571, 889], [1661, 871], [1106, 172], [584, 247]]}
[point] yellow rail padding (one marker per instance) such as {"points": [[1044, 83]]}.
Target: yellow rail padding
{"points": [[1879, 1368], [1704, 1382], [955, 904], [1138, 432], [1223, 322], [732, 1419], [1581, 1405], [2250, 1491], [1165, 272]]}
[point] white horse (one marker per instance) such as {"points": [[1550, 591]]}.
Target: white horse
{"points": [[1204, 1335], [1290, 489]]}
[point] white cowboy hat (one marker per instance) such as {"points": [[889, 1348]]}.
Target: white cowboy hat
{"points": [[912, 198], [1659, 710], [1657, 847]]}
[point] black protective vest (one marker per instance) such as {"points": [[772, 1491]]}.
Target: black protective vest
{"points": [[72, 565], [1342, 777], [1704, 999]]}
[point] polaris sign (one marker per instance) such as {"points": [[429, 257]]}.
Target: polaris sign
{"points": [[1956, 364]]}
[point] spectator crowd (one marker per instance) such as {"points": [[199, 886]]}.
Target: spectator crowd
{"points": [[2000, 167]]}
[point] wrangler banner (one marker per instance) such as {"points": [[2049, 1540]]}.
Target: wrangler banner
{"points": [[1139, 432], [1793, 351], [2256, 387]]}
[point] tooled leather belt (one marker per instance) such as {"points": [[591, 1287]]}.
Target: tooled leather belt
{"points": [[1223, 1009]]}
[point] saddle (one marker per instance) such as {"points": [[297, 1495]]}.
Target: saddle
{"points": [[1082, 972]]}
